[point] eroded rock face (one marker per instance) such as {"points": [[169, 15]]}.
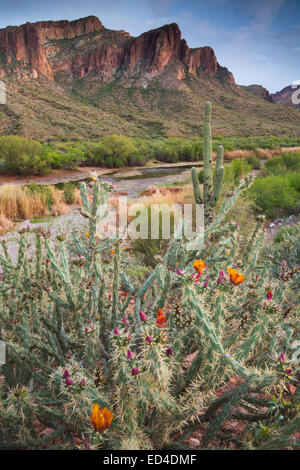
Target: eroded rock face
{"points": [[83, 46]]}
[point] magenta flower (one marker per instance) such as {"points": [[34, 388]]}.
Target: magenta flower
{"points": [[288, 371], [143, 317], [281, 357], [117, 332], [66, 374], [69, 381], [169, 352], [149, 339], [221, 276], [135, 371], [82, 382], [123, 320], [129, 354], [205, 285], [179, 272], [86, 329]]}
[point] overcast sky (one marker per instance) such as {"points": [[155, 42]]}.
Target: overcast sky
{"points": [[258, 40]]}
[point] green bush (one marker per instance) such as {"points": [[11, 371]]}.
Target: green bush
{"points": [[277, 195], [254, 162], [21, 156], [281, 164]]}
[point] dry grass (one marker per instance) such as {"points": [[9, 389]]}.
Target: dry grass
{"points": [[166, 196], [20, 203], [5, 225]]}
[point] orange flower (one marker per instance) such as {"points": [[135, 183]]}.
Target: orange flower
{"points": [[235, 277], [161, 319], [101, 418], [199, 265], [87, 234], [112, 252]]}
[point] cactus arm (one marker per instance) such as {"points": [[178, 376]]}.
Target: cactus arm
{"points": [[218, 185], [196, 187], [219, 162]]}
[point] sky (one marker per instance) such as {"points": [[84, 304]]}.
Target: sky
{"points": [[258, 40]]}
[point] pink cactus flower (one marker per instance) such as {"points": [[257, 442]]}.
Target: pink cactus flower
{"points": [[66, 374], [179, 272], [129, 354], [149, 339], [281, 357], [143, 317], [117, 332], [169, 352], [135, 371], [69, 382]]}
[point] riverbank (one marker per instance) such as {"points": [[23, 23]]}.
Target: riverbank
{"points": [[82, 173]]}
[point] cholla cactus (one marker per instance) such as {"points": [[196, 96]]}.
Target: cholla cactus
{"points": [[80, 331]]}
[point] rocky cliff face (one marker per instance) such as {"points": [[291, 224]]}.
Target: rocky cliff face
{"points": [[84, 46]]}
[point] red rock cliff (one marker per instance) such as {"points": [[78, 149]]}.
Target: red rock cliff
{"points": [[110, 54]]}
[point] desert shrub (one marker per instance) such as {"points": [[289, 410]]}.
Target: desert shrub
{"points": [[254, 162], [69, 193], [286, 162], [63, 155], [116, 150], [21, 156], [277, 195], [239, 168]]}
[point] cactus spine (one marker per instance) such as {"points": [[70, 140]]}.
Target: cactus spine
{"points": [[211, 186]]}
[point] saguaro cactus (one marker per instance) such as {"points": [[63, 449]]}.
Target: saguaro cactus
{"points": [[211, 186]]}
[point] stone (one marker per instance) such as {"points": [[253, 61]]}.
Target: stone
{"points": [[121, 56]]}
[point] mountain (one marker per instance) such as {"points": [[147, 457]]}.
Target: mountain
{"points": [[78, 79], [260, 91], [284, 97]]}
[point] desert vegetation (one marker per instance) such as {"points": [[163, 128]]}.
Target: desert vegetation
{"points": [[101, 355], [21, 156]]}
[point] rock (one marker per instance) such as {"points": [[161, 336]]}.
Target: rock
{"points": [[110, 54], [271, 225]]}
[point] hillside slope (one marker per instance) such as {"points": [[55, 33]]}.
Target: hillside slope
{"points": [[80, 80]]}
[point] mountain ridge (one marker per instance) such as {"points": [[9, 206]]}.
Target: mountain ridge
{"points": [[80, 80]]}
